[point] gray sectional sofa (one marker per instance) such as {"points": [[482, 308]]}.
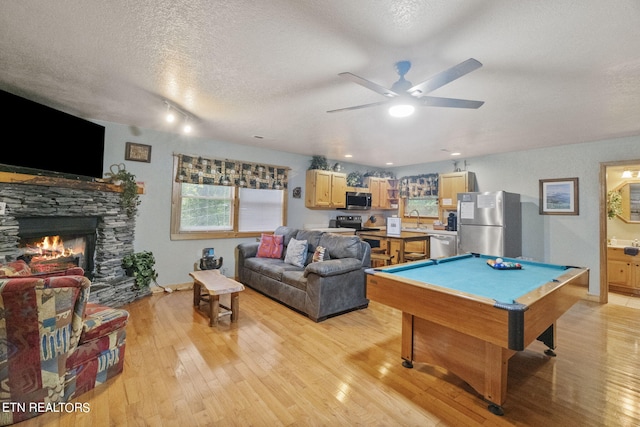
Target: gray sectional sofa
{"points": [[320, 289]]}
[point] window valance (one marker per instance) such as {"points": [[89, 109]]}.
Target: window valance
{"points": [[198, 170], [419, 185]]}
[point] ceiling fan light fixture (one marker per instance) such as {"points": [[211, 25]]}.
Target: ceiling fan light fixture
{"points": [[401, 110]]}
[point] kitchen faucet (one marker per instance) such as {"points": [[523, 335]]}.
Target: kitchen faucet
{"points": [[418, 214]]}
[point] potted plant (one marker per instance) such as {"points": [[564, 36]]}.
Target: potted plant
{"points": [[140, 265], [319, 162], [129, 198], [354, 179]]}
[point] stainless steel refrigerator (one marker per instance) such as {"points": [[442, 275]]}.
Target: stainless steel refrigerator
{"points": [[490, 223]]}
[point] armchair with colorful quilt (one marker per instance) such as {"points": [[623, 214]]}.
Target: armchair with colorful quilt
{"points": [[54, 345]]}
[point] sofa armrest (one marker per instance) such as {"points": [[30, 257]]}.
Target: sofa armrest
{"points": [[248, 250], [333, 267]]}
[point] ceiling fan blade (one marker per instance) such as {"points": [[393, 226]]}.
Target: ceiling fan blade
{"points": [[357, 107], [444, 77], [432, 101], [369, 85]]}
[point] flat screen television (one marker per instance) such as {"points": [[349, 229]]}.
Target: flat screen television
{"points": [[52, 143]]}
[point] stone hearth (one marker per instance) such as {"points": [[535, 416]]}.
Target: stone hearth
{"points": [[29, 196]]}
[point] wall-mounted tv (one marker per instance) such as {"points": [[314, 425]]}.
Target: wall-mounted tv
{"points": [[51, 142]]}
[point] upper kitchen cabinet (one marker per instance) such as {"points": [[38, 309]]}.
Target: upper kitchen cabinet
{"points": [[453, 183], [384, 192], [325, 189]]}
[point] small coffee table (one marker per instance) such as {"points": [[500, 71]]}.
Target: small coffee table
{"points": [[208, 285]]}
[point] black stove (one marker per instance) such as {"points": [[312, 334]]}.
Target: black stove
{"points": [[352, 221]]}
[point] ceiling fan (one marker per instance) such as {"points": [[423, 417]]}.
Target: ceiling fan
{"points": [[405, 92]]}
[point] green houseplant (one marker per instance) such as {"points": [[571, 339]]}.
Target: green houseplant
{"points": [[319, 162], [129, 198], [140, 265]]}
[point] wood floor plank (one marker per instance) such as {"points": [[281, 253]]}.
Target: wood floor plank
{"points": [[275, 367]]}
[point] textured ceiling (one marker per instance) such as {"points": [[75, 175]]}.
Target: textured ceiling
{"points": [[555, 72]]}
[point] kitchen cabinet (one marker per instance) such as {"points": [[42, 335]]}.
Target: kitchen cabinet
{"points": [[325, 189], [450, 184], [623, 271], [384, 192]]}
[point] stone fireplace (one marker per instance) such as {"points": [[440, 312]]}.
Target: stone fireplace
{"points": [[85, 215]]}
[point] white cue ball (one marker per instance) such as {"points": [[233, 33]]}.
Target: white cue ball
{"points": [[499, 260]]}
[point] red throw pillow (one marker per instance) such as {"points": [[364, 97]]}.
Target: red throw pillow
{"points": [[270, 246]]}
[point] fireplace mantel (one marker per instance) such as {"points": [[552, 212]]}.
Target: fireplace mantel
{"points": [[28, 196], [50, 181]]}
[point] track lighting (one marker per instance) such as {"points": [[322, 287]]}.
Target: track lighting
{"points": [[170, 116]]}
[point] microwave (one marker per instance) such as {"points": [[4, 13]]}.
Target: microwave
{"points": [[358, 201]]}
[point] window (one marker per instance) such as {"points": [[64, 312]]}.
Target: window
{"points": [[260, 210], [206, 207], [426, 205], [205, 211]]}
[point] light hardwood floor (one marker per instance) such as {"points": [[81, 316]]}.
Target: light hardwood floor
{"points": [[278, 368]]}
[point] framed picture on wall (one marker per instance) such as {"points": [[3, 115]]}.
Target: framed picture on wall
{"points": [[559, 196], [137, 152]]}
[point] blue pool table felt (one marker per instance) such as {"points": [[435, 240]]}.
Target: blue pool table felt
{"points": [[472, 275]]}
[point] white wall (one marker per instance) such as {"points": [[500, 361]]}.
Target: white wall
{"points": [[558, 239]]}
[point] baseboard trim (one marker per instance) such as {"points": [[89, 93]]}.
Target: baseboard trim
{"points": [[176, 287]]}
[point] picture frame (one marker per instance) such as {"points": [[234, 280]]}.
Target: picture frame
{"points": [[137, 152], [394, 226], [559, 196]]}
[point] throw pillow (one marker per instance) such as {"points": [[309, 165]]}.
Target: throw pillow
{"points": [[318, 255], [270, 246], [296, 252]]}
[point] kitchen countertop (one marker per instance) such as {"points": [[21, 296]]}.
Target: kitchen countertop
{"points": [[333, 229]]}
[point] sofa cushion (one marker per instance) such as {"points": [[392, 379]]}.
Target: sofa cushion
{"points": [[313, 239], [270, 267], [287, 233], [297, 253], [295, 278], [340, 246], [270, 246], [101, 321]]}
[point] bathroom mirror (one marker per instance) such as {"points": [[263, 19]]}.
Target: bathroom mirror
{"points": [[630, 192]]}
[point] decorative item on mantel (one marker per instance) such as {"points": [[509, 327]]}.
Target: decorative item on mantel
{"points": [[129, 198]]}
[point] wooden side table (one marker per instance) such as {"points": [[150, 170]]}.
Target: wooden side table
{"points": [[208, 285]]}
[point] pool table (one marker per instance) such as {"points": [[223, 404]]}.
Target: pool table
{"points": [[465, 316]]}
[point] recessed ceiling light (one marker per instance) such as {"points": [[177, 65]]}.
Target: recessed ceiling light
{"points": [[348, 155], [389, 163], [455, 153]]}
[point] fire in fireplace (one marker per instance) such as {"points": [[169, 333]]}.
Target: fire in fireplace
{"points": [[50, 244], [52, 253]]}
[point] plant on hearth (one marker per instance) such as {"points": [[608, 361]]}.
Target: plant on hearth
{"points": [[140, 265], [129, 198], [614, 204]]}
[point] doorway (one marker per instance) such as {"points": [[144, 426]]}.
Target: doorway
{"points": [[610, 177]]}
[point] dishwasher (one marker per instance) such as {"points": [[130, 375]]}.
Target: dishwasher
{"points": [[442, 245]]}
